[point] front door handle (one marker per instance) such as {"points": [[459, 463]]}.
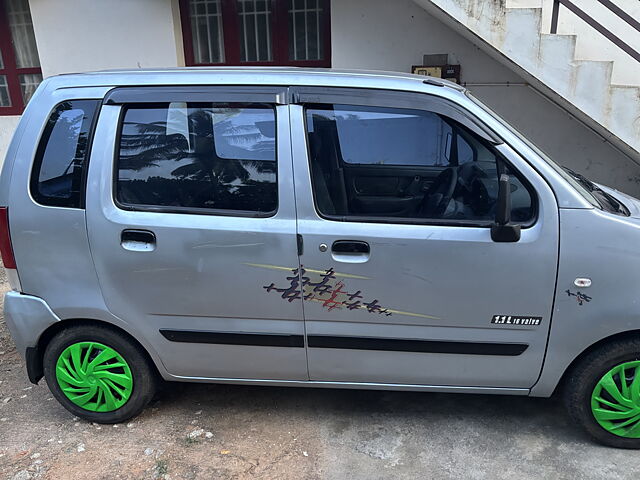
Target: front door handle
{"points": [[350, 247], [138, 240], [350, 251]]}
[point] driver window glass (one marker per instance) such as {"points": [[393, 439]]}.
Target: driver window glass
{"points": [[466, 154], [380, 162]]}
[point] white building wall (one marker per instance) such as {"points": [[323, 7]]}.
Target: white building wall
{"points": [[384, 35], [370, 34], [590, 44], [81, 35], [7, 126]]}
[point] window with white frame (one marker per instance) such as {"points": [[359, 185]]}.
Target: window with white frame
{"points": [[20, 72], [257, 32]]}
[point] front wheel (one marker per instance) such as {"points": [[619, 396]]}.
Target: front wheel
{"points": [[98, 374], [602, 394]]}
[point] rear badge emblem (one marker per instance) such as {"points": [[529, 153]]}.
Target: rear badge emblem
{"points": [[516, 320]]}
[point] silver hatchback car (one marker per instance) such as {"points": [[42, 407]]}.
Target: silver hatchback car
{"points": [[310, 228]]}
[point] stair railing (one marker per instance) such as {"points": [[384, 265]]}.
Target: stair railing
{"points": [[598, 26]]}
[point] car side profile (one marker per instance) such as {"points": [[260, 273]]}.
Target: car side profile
{"points": [[318, 228]]}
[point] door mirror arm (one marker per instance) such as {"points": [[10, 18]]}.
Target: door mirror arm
{"points": [[503, 230]]}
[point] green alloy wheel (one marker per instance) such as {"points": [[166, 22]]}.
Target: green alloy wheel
{"points": [[94, 376], [615, 401]]}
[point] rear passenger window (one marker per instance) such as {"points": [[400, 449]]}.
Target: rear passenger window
{"points": [[200, 158], [58, 173]]}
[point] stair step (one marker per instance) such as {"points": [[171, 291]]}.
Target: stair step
{"points": [[524, 3], [591, 87], [623, 114], [513, 28], [555, 61], [522, 35], [484, 18]]}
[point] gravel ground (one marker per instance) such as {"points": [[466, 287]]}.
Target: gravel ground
{"points": [[237, 432]]}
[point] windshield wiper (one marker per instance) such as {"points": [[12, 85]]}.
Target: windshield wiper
{"points": [[584, 181], [601, 196]]}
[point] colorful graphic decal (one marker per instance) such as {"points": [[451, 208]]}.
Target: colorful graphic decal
{"points": [[328, 288], [580, 297]]}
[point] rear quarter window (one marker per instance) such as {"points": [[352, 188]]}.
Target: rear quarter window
{"points": [[61, 159]]}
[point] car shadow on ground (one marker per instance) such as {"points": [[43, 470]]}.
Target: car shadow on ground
{"points": [[500, 415]]}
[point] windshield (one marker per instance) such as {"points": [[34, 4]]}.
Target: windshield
{"points": [[589, 190]]}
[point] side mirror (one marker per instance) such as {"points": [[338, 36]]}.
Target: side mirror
{"points": [[503, 230]]}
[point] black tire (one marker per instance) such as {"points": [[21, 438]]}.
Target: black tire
{"points": [[582, 380], [143, 372]]}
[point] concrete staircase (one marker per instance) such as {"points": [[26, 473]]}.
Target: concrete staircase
{"points": [[584, 87]]}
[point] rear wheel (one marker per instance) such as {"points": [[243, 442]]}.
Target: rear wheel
{"points": [[98, 374], [603, 393]]}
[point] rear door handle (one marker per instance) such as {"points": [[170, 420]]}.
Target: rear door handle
{"points": [[138, 240]]}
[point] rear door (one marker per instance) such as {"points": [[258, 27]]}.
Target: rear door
{"points": [[184, 227], [402, 283]]}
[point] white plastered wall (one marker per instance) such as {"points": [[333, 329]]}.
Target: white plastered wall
{"points": [[7, 126], [371, 34], [81, 35], [393, 35], [85, 35], [590, 44]]}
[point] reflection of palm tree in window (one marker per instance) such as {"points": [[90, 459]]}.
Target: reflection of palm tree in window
{"points": [[222, 153]]}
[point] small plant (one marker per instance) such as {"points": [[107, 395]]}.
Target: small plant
{"points": [[161, 468]]}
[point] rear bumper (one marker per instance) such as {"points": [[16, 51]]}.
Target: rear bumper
{"points": [[27, 317]]}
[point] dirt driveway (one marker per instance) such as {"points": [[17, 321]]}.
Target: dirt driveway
{"points": [[220, 432]]}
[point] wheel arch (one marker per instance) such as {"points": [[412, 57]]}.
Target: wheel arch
{"points": [[35, 355], [600, 343]]}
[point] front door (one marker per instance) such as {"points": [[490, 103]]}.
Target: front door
{"points": [[189, 227], [402, 283]]}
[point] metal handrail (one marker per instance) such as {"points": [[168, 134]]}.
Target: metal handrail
{"points": [[598, 26]]}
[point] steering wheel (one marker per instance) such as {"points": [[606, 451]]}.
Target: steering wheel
{"points": [[440, 192], [475, 187], [481, 200]]}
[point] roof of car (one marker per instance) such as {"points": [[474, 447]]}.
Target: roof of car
{"points": [[249, 75]]}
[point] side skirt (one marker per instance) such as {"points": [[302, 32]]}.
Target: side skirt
{"points": [[353, 385]]}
